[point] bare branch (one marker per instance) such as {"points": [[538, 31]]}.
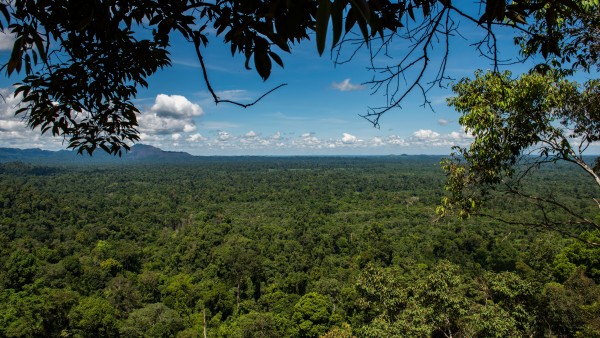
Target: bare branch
{"points": [[582, 220], [197, 45], [542, 225]]}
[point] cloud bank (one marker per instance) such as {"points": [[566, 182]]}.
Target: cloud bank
{"points": [[173, 123]]}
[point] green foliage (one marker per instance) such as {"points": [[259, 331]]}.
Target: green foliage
{"points": [[580, 255], [345, 331], [569, 308], [20, 268], [94, 317], [34, 312], [153, 320], [518, 126], [279, 247], [312, 315]]}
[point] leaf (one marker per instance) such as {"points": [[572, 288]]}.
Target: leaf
{"points": [[4, 10], [363, 29], [262, 62], [411, 12], [426, 8], [281, 43], [337, 18], [276, 58], [323, 12], [516, 17], [350, 20], [39, 44], [362, 7], [14, 63]]}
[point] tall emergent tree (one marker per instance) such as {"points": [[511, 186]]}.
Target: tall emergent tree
{"points": [[83, 61]]}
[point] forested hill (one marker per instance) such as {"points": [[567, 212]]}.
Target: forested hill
{"points": [[282, 247], [139, 153], [146, 154]]}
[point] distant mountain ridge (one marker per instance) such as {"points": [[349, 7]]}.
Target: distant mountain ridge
{"points": [[139, 153]]}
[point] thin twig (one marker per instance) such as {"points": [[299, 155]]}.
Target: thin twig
{"points": [[216, 98]]}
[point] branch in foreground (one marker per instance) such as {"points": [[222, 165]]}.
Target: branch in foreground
{"points": [[212, 91], [543, 225]]}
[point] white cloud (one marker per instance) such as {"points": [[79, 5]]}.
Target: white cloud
{"points": [[14, 132], [175, 106], [348, 139], [180, 131], [443, 122], [153, 124], [224, 136], [377, 141], [425, 134], [396, 141], [7, 40], [196, 138], [170, 114], [346, 86], [250, 134], [188, 128]]}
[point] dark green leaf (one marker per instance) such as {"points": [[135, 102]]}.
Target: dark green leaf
{"points": [[337, 18], [276, 58], [323, 12], [362, 7]]}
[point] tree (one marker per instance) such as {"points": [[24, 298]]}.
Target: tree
{"points": [[94, 317], [83, 62], [20, 269], [312, 315], [153, 320], [520, 124]]}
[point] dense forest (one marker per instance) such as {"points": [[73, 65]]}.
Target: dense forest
{"points": [[284, 247]]}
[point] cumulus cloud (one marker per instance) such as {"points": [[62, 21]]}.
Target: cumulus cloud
{"points": [[196, 138], [152, 124], [170, 114], [224, 136], [443, 122], [348, 139], [430, 138], [175, 106], [14, 132], [425, 134], [179, 130], [7, 40], [188, 128], [346, 86], [396, 140], [250, 134]]}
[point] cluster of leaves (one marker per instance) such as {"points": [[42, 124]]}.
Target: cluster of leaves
{"points": [[278, 247], [519, 124]]}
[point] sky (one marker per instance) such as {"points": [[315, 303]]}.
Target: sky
{"points": [[316, 113]]}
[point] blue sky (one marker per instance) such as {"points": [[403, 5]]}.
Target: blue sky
{"points": [[317, 113]]}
